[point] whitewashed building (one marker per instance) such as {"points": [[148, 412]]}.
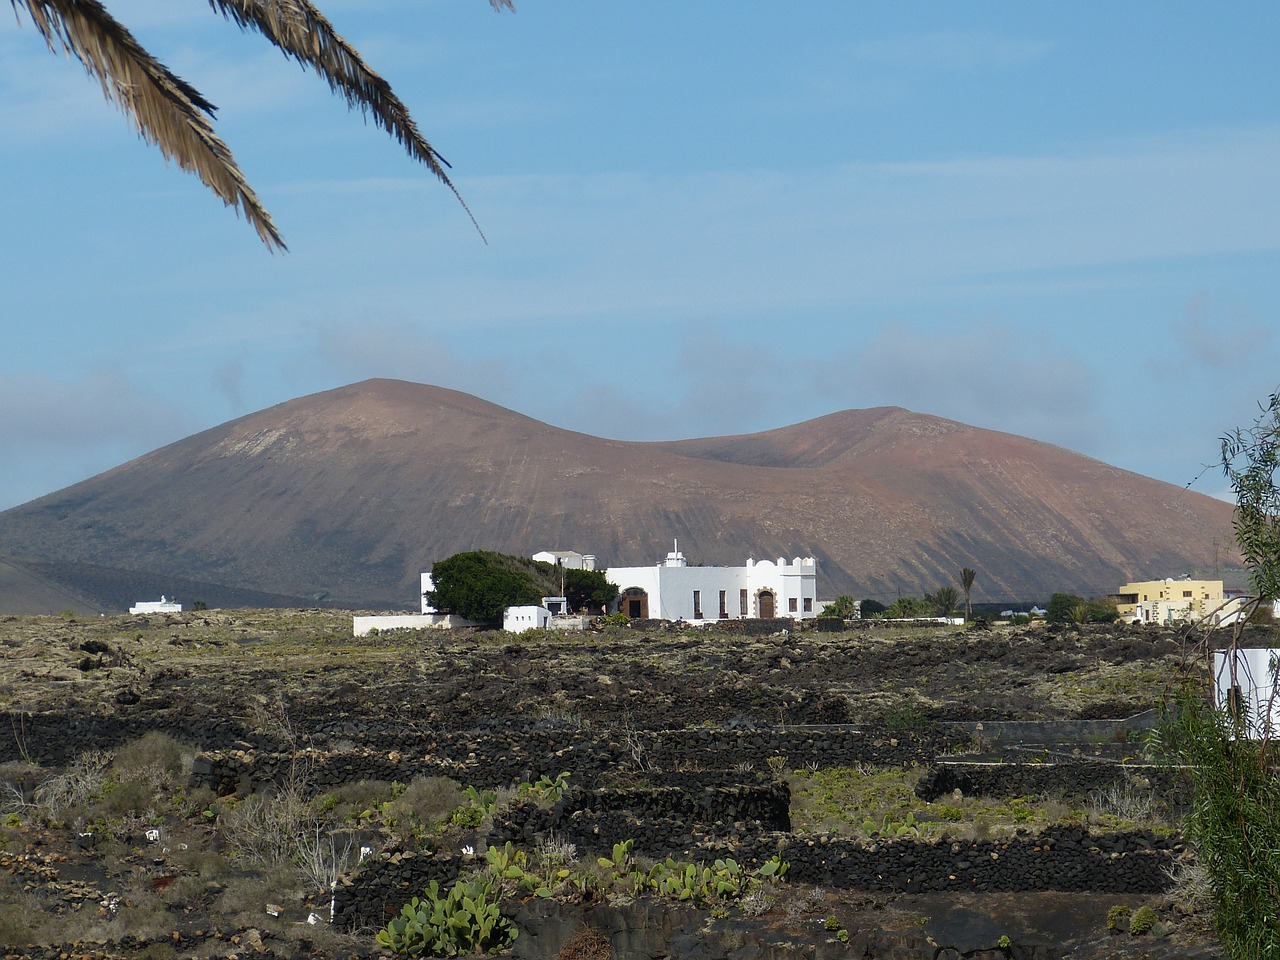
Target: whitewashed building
{"points": [[520, 619], [568, 559], [673, 590], [163, 605]]}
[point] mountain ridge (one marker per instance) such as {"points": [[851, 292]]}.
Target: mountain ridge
{"points": [[350, 493]]}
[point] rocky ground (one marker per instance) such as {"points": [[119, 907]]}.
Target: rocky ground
{"points": [[110, 853]]}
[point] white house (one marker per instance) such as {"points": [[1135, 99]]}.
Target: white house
{"points": [[163, 605], [520, 619], [568, 559], [1250, 680], [673, 590]]}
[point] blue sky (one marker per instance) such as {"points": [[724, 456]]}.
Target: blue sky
{"points": [[1056, 220]]}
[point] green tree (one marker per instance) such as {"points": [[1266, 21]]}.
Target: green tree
{"points": [[1069, 608], [844, 607], [943, 601], [1063, 608], [1250, 459], [174, 116], [872, 607], [588, 590], [1235, 809], [481, 584], [906, 608], [967, 576]]}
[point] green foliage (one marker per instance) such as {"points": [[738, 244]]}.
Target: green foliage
{"points": [[476, 806], [1062, 607], [1250, 459], [1068, 608], [832, 923], [1143, 919], [1234, 820], [1117, 915], [588, 590], [546, 790], [1235, 810], [943, 601], [844, 607], [1004, 943], [621, 853], [465, 920], [871, 608], [966, 577], [907, 608], [480, 584], [724, 880], [510, 868], [618, 619], [892, 829]]}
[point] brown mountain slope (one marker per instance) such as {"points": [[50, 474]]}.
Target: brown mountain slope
{"points": [[350, 493]]}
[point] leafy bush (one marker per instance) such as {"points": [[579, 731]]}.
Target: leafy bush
{"points": [[426, 800], [481, 584], [1143, 919], [465, 920], [153, 751]]}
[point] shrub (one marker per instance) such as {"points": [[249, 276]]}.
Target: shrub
{"points": [[1143, 919], [152, 751], [464, 920], [76, 785], [269, 830], [426, 800]]}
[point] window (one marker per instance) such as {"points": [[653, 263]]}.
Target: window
{"points": [[1186, 593], [697, 604], [792, 605], [724, 608], [808, 604], [744, 606]]}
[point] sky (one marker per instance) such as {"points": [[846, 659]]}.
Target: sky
{"points": [[1056, 220]]}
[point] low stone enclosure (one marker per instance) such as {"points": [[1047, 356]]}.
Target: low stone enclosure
{"points": [[727, 804], [719, 795]]}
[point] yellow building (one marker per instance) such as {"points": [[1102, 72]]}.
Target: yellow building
{"points": [[1166, 601]]}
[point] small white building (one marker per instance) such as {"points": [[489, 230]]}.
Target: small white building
{"points": [[163, 605], [673, 590], [428, 586], [568, 559], [1249, 683], [520, 619]]}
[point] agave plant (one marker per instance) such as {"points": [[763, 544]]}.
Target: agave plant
{"points": [[174, 116]]}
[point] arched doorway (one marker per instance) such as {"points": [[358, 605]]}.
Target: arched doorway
{"points": [[765, 604], [635, 603]]}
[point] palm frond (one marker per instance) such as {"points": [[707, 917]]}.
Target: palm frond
{"points": [[167, 111], [302, 32]]}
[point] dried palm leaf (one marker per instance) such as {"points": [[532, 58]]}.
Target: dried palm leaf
{"points": [[302, 32], [174, 116], [168, 112]]}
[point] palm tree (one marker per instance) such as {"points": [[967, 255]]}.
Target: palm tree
{"points": [[967, 577], [175, 117], [943, 602]]}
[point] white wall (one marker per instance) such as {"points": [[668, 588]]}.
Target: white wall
{"points": [[520, 619], [363, 626], [428, 585], [670, 588], [1256, 674]]}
